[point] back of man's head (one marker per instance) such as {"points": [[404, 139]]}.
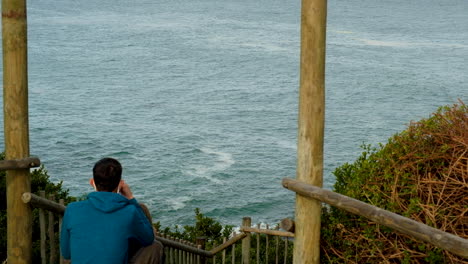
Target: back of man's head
{"points": [[107, 174]]}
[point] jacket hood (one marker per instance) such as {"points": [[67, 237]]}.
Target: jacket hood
{"points": [[107, 201]]}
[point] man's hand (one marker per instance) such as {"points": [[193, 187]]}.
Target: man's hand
{"points": [[125, 190]]}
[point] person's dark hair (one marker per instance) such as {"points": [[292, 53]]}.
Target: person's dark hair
{"points": [[107, 174]]}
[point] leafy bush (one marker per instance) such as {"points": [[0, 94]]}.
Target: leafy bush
{"points": [[39, 181], [204, 226], [215, 232], [420, 173]]}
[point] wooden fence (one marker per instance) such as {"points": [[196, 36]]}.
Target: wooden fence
{"points": [[417, 230], [268, 245]]}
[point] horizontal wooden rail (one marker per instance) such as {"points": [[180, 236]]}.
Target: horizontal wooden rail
{"points": [[39, 202], [267, 231], [227, 243], [436, 237], [184, 247], [26, 163]]}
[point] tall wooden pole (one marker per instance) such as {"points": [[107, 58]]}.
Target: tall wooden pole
{"points": [[311, 128], [246, 222], [15, 111]]}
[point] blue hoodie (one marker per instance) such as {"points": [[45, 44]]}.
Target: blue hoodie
{"points": [[98, 230]]}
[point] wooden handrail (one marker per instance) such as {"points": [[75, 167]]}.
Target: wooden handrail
{"points": [[228, 243], [184, 247], [39, 202], [420, 231], [30, 162], [267, 231], [43, 203]]}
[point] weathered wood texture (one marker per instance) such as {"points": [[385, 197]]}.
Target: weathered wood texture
{"points": [[267, 238], [42, 227], [183, 247], [277, 250], [288, 225], [223, 258], [201, 243], [26, 163], [51, 232], [258, 245], [16, 128], [61, 202], [228, 243], [285, 251], [246, 242], [233, 252], [39, 202], [267, 231], [420, 231], [310, 128]]}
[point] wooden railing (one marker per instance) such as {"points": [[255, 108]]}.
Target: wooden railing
{"points": [[177, 251], [251, 238], [47, 223], [184, 252], [417, 230]]}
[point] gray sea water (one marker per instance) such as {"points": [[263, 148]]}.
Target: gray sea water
{"points": [[198, 99]]}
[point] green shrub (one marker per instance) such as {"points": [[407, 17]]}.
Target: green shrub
{"points": [[204, 226], [419, 173]]}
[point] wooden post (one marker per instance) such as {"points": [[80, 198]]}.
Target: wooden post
{"points": [[258, 245], [266, 245], [310, 128], [224, 253], [61, 202], [42, 226], [201, 242], [277, 248], [180, 252], [198, 256], [52, 246], [246, 222], [285, 250], [233, 250], [16, 132], [172, 254]]}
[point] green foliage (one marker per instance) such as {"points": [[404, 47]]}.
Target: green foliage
{"points": [[40, 180], [204, 226], [415, 170], [215, 232]]}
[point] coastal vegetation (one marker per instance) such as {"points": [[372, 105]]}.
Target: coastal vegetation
{"points": [[420, 173]]}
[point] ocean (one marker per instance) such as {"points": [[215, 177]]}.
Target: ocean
{"points": [[198, 99]]}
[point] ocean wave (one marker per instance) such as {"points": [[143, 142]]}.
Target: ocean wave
{"points": [[178, 202], [342, 31], [220, 161], [225, 160]]}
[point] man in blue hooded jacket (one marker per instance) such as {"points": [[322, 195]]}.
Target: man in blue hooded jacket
{"points": [[100, 229]]}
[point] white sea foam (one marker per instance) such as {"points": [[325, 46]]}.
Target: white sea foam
{"points": [[221, 162], [178, 202], [225, 160], [265, 46], [373, 42], [287, 144], [342, 31], [203, 172]]}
